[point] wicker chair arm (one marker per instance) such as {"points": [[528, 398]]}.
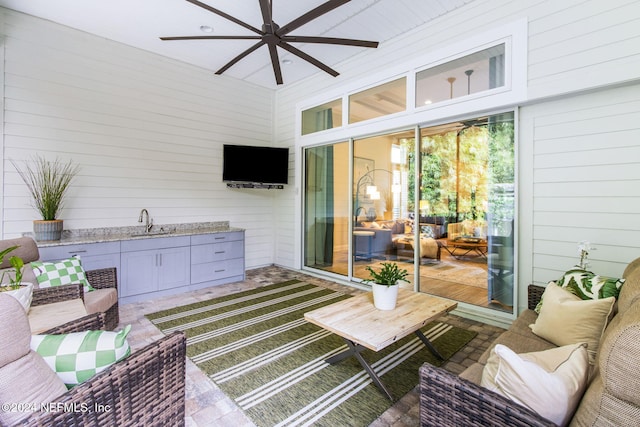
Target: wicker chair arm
{"points": [[534, 293], [145, 389], [446, 399], [53, 294], [103, 278], [90, 322]]}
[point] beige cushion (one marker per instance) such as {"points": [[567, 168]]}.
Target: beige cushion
{"points": [[630, 292], [46, 316], [613, 398], [16, 338], [473, 373], [24, 377], [566, 319], [100, 300], [550, 382], [27, 250], [27, 380], [518, 343]]}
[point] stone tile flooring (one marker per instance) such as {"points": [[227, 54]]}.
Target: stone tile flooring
{"points": [[207, 405]]}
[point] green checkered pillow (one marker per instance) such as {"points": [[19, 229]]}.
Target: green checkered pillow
{"points": [[60, 273], [78, 356]]}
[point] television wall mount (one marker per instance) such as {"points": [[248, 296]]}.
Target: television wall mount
{"points": [[255, 185]]}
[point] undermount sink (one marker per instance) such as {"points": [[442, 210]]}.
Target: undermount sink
{"points": [[149, 233]]}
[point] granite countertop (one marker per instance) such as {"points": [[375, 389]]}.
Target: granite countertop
{"points": [[112, 234]]}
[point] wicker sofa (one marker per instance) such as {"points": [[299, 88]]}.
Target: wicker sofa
{"points": [[611, 397], [103, 299], [145, 389]]}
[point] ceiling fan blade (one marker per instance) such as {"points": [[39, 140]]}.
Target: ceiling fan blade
{"points": [[310, 59], [225, 15], [275, 62], [310, 16], [212, 38], [239, 57], [329, 40]]}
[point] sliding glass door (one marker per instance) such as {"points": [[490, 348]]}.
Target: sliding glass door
{"points": [[439, 201], [326, 208]]}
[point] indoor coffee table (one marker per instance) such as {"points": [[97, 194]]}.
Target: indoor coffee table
{"points": [[362, 325]]}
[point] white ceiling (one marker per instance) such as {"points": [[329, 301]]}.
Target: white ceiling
{"points": [[140, 23]]}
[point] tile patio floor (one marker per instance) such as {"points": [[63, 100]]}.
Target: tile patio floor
{"points": [[206, 405]]}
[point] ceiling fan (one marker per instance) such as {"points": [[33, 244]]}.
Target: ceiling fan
{"points": [[275, 36]]}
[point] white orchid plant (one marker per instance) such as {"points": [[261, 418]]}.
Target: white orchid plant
{"points": [[583, 252]]}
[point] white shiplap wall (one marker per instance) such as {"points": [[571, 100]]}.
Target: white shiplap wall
{"points": [[583, 181], [574, 46], [147, 132]]}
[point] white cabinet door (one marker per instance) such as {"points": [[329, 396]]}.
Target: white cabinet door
{"points": [[173, 268], [139, 272]]}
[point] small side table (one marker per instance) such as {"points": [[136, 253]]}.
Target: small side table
{"points": [[359, 236]]}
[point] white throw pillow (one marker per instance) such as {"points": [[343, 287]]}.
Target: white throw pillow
{"points": [[550, 383]]}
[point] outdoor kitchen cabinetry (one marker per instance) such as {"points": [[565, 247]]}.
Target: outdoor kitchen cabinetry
{"points": [[93, 255], [217, 258], [155, 266]]}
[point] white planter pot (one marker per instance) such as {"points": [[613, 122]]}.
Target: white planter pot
{"points": [[23, 294], [384, 297]]}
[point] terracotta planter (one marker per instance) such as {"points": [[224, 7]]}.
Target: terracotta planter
{"points": [[47, 230], [384, 297], [23, 294]]}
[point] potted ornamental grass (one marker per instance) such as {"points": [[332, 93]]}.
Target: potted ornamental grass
{"points": [[385, 283], [15, 287], [48, 182]]}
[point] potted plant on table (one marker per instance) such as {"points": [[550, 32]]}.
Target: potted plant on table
{"points": [[385, 284], [48, 182], [22, 291]]}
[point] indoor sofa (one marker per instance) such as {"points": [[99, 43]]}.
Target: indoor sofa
{"points": [[611, 397]]}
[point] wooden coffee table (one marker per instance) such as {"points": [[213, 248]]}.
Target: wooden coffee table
{"points": [[362, 325], [476, 246]]}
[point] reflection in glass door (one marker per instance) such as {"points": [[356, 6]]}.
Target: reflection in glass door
{"points": [[442, 207], [467, 205], [380, 204]]}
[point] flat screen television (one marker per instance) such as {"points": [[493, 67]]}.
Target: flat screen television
{"points": [[263, 165]]}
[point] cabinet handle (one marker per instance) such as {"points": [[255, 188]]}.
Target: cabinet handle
{"points": [[160, 260], [218, 271], [78, 252], [219, 252], [220, 238]]}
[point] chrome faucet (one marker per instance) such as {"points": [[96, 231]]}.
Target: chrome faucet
{"points": [[149, 222]]}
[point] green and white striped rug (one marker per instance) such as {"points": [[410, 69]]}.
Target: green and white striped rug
{"points": [[261, 352]]}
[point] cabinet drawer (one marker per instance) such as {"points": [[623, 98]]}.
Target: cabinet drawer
{"points": [[154, 243], [55, 253], [217, 252], [203, 239], [216, 270]]}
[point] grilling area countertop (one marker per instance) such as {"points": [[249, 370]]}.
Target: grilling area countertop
{"points": [[111, 234]]}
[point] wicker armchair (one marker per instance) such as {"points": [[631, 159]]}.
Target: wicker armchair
{"points": [[145, 389], [102, 280]]}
